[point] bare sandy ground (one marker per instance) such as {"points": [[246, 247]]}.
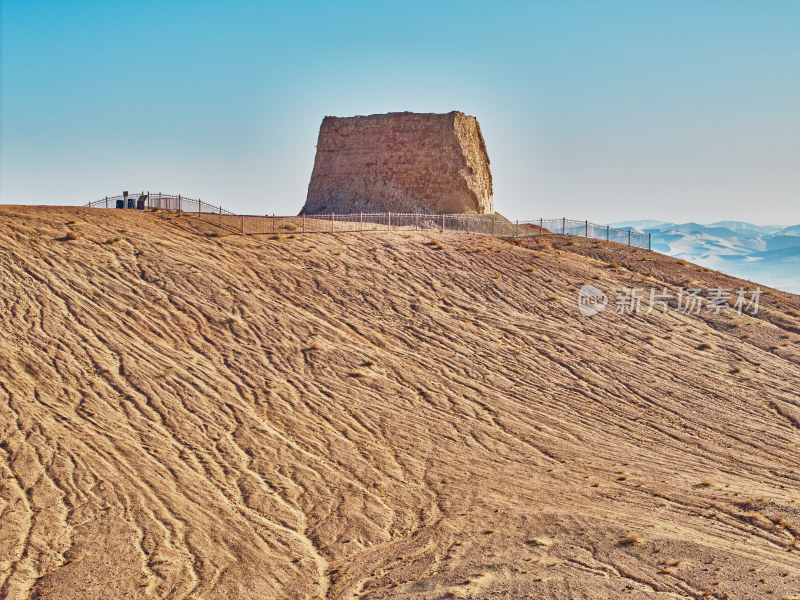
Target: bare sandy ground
{"points": [[381, 416]]}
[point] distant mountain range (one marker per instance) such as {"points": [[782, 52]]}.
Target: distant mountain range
{"points": [[765, 254]]}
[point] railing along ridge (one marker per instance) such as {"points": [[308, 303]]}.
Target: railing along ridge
{"points": [[494, 225]]}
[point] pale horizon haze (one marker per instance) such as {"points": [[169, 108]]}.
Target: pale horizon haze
{"points": [[608, 111]]}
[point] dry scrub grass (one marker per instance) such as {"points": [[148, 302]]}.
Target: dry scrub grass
{"points": [[630, 539]]}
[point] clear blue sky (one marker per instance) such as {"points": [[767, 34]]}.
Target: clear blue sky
{"points": [[599, 109]]}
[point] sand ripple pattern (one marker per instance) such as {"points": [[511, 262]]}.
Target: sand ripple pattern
{"points": [[380, 416]]}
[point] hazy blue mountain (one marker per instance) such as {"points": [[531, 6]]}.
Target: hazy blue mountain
{"points": [[765, 254], [793, 230], [749, 227]]}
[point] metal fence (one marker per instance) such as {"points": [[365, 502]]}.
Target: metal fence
{"points": [[595, 231], [332, 223]]}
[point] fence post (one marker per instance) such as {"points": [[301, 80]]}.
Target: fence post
{"points": [[220, 216], [649, 239], [607, 233], [180, 203], [629, 237], [106, 201], [563, 225], [361, 221], [587, 228], [199, 206], [389, 220], [541, 225], [442, 221]]}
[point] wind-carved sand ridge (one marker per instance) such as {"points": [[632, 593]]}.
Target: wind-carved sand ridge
{"points": [[381, 415]]}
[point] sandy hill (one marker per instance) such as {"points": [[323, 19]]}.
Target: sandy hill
{"points": [[381, 416]]}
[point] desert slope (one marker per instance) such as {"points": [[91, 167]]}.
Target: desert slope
{"points": [[380, 416]]}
